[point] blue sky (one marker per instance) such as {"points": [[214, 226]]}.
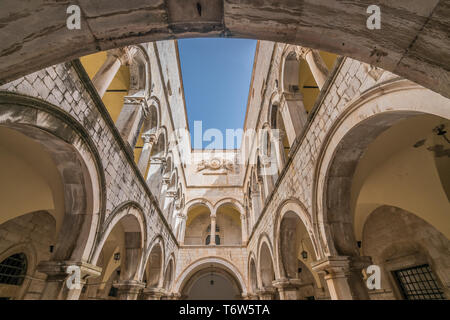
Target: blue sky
{"points": [[216, 78]]}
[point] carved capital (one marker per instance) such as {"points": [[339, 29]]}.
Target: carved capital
{"points": [[125, 54], [303, 52], [149, 138]]}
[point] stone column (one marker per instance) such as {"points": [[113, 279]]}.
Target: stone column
{"points": [[212, 242], [269, 170], [250, 296], [256, 204], [318, 68], [153, 293], [266, 294], [107, 72], [131, 118], [244, 229], [182, 228], [279, 149], [59, 283], [294, 115], [343, 275], [154, 176], [128, 289], [149, 140], [287, 288]]}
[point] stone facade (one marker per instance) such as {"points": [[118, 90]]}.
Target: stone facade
{"points": [[287, 213]]}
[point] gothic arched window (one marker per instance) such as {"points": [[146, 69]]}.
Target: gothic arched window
{"points": [[13, 269]]}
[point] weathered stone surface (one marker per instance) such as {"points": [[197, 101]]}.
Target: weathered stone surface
{"points": [[413, 41]]}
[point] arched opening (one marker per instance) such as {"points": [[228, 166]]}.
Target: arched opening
{"points": [[197, 222], [168, 276], [412, 254], [211, 281], [119, 254], [253, 278], [400, 182], [282, 145], [296, 255], [266, 272], [229, 220], [387, 159], [55, 180], [153, 270], [157, 164]]}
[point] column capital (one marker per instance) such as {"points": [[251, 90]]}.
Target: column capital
{"points": [[287, 283], [149, 138], [129, 286], [181, 216], [154, 293], [58, 269], [303, 52], [125, 54], [266, 293]]}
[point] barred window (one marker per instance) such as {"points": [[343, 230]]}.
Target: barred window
{"points": [[418, 283], [13, 269]]}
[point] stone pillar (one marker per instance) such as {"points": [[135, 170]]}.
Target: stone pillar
{"points": [[269, 170], [107, 72], [244, 229], [294, 115], [153, 293], [133, 253], [58, 276], [266, 294], [149, 140], [131, 118], [256, 205], [279, 149], [343, 275], [128, 289], [182, 228], [287, 288], [318, 68], [212, 242], [154, 176], [250, 296]]}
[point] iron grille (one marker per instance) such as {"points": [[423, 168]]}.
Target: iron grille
{"points": [[418, 283], [13, 269]]}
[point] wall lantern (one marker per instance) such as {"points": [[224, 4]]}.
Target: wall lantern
{"points": [[117, 256], [304, 252]]}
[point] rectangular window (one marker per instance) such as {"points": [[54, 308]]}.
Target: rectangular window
{"points": [[418, 283]]}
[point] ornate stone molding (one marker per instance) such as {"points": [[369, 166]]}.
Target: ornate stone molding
{"points": [[216, 164], [125, 54]]}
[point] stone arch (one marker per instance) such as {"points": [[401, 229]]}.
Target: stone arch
{"points": [[252, 273], [152, 120], [347, 36], [198, 213], [140, 72], [364, 117], [78, 163], [157, 244], [198, 201], [292, 215], [133, 221], [289, 70], [197, 265], [235, 203], [397, 239], [169, 273], [266, 263]]}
